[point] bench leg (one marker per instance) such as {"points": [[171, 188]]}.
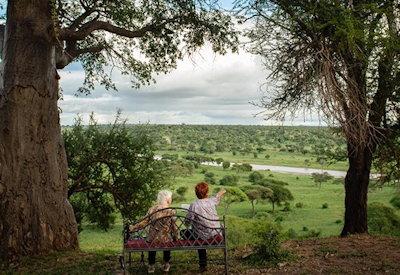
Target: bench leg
{"points": [[226, 260]]}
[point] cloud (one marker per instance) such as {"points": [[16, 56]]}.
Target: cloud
{"points": [[204, 89]]}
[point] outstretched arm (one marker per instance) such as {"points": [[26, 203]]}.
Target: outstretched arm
{"points": [[220, 194]]}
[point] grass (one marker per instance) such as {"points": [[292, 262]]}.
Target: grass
{"points": [[99, 250], [304, 190]]}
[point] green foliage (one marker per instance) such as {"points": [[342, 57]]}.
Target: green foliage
{"points": [[320, 178], [256, 193], [229, 180], [209, 178], [112, 168], [255, 177], [182, 190], [383, 220], [226, 164], [179, 194], [232, 195], [286, 207], [325, 205], [244, 167], [299, 205], [279, 195], [267, 245], [269, 181], [395, 201]]}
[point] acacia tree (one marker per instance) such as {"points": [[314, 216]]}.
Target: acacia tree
{"points": [[342, 57], [112, 167], [139, 38]]}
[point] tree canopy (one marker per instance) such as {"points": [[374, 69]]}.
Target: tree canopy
{"points": [[111, 167]]}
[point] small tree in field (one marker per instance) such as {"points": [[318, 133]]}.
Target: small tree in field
{"points": [[112, 167], [255, 194], [232, 195], [279, 195], [226, 165], [320, 178], [229, 180], [255, 177]]}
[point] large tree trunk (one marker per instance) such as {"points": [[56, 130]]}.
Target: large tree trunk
{"points": [[356, 186], [35, 215]]}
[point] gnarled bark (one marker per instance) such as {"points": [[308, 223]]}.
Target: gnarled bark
{"points": [[35, 215], [356, 187]]}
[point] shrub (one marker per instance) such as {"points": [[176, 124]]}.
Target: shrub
{"points": [[383, 220], [255, 177], [267, 244], [338, 221], [286, 207], [291, 233], [182, 190], [209, 177], [325, 206], [229, 180], [396, 202], [226, 164], [262, 215], [305, 228], [299, 205], [267, 156], [267, 181], [312, 234]]}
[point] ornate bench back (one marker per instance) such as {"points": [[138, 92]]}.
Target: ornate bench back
{"points": [[174, 228]]}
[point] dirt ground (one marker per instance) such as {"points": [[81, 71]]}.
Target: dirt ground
{"points": [[361, 254]]}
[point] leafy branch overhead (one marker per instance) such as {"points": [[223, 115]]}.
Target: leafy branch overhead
{"points": [[139, 38]]}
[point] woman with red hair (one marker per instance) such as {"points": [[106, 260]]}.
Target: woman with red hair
{"points": [[204, 218]]}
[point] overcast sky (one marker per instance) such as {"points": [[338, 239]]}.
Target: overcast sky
{"points": [[206, 89]]}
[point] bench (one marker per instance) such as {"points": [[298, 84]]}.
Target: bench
{"points": [[137, 241]]}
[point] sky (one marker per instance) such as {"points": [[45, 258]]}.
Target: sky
{"points": [[204, 89]]}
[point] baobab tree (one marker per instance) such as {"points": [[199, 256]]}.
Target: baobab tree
{"points": [[140, 38], [343, 58]]}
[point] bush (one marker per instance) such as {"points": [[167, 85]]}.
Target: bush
{"points": [[229, 180], [267, 244], [338, 221], [226, 164], [291, 233], [262, 215], [240, 230], [255, 177], [182, 190], [325, 206], [299, 205], [383, 220], [312, 234], [209, 177], [305, 228], [396, 202], [287, 207]]}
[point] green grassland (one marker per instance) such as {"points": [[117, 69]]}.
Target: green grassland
{"points": [[312, 216]]}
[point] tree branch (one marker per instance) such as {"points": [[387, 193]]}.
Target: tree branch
{"points": [[95, 25]]}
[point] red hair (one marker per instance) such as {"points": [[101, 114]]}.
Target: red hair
{"points": [[201, 190]]}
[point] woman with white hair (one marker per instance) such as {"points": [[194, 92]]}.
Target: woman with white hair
{"points": [[162, 227]]}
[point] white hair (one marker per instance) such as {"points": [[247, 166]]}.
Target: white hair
{"points": [[163, 195]]}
